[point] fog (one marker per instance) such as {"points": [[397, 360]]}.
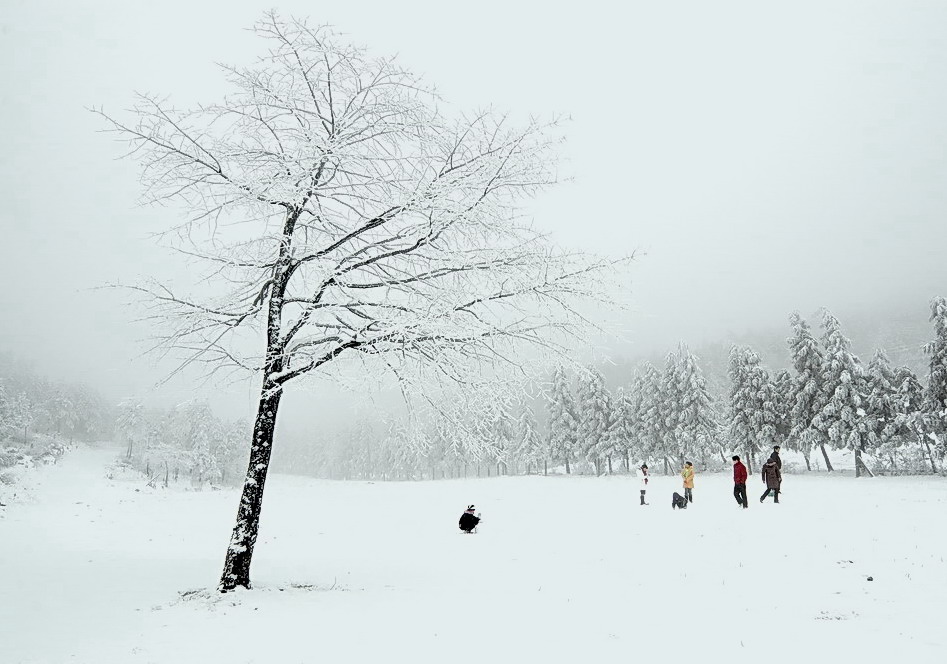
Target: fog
{"points": [[762, 159]]}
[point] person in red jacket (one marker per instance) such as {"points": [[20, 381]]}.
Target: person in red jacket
{"points": [[739, 481]]}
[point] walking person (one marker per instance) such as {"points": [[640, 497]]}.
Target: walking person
{"points": [[773, 479], [739, 481], [643, 476], [688, 475], [775, 457]]}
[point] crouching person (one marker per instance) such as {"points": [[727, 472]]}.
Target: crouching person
{"points": [[468, 520], [678, 501]]}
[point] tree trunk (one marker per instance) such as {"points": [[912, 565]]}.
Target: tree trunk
{"points": [[825, 455], [805, 455], [930, 455], [627, 462], [860, 466], [568, 470], [609, 457], [545, 467], [240, 552]]}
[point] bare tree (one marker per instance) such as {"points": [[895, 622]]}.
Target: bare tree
{"points": [[350, 221]]}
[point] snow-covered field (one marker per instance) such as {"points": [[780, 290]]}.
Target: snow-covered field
{"points": [[564, 569]]}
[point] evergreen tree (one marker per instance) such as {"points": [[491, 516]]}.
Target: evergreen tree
{"points": [[742, 408], [936, 399], [807, 397], [528, 440], [781, 392], [652, 432], [843, 384], [695, 431], [610, 445], [625, 430], [881, 404], [753, 411], [562, 420], [594, 418], [669, 405], [911, 418]]}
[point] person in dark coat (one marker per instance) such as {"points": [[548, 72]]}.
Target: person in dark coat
{"points": [[468, 520], [775, 457], [739, 481], [773, 478]]}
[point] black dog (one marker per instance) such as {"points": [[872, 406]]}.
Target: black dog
{"points": [[678, 501]]}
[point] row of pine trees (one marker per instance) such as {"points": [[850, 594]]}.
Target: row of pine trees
{"points": [[828, 399]]}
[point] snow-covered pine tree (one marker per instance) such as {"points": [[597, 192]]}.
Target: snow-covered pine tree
{"points": [[696, 428], [768, 411], [502, 436], [843, 383], [652, 420], [742, 407], [530, 449], [881, 401], [594, 418], [935, 403], [562, 420], [670, 409], [807, 395], [609, 445], [911, 418], [781, 391], [625, 427], [754, 409]]}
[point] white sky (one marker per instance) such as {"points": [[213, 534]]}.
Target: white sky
{"points": [[767, 156]]}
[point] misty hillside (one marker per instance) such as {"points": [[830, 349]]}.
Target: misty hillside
{"points": [[901, 333]]}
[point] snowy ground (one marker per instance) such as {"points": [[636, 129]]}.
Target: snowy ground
{"points": [[564, 569]]}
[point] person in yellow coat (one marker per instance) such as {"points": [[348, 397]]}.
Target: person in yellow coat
{"points": [[688, 475]]}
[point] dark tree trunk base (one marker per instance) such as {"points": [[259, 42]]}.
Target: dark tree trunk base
{"points": [[240, 552]]}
